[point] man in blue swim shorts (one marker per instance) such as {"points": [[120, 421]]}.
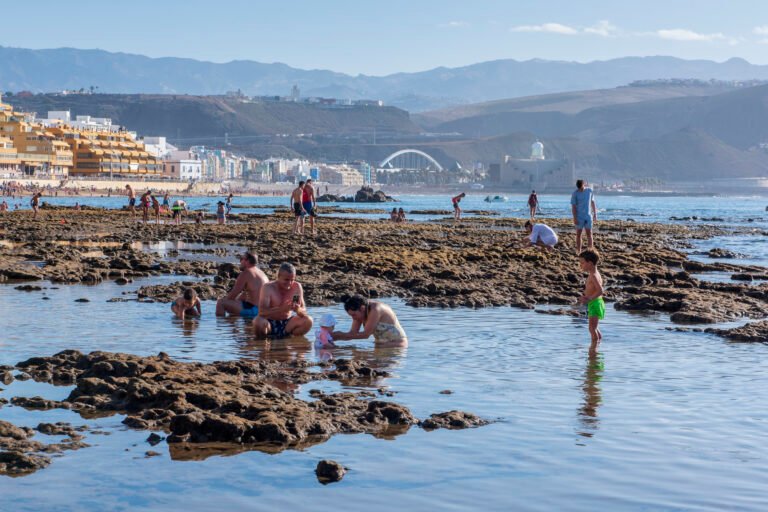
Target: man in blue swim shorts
{"points": [[282, 312], [584, 212], [243, 298]]}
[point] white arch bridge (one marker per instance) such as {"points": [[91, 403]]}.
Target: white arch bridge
{"points": [[410, 159]]}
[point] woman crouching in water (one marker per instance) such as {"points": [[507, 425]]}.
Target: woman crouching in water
{"points": [[373, 317]]}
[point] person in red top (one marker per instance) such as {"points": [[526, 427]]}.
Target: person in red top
{"points": [[456, 207]]}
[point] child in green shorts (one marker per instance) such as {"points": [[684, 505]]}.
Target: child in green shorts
{"points": [[593, 295]]}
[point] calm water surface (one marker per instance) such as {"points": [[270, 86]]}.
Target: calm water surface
{"points": [[661, 420]]}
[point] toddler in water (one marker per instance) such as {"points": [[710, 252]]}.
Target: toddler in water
{"points": [[324, 334], [593, 296], [188, 305]]}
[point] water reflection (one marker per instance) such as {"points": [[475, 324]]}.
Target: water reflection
{"points": [[588, 419]]}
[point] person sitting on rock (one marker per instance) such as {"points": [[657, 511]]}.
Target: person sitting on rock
{"points": [[188, 305], [541, 236], [282, 312], [394, 217], [243, 298], [374, 318], [401, 215]]}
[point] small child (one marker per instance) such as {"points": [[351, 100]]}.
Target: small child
{"points": [[187, 305], [593, 295], [324, 335], [199, 218]]}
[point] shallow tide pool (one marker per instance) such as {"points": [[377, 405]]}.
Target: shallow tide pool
{"points": [[661, 420]]}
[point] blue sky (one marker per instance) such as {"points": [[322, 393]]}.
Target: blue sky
{"points": [[395, 35]]}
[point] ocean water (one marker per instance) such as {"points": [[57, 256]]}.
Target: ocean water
{"points": [[660, 420], [747, 211]]}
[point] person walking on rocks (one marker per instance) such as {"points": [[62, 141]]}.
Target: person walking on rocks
{"points": [[298, 209], [456, 208], [541, 236], [178, 208], [35, 203], [584, 212], [243, 298], [131, 200], [309, 204], [145, 200], [229, 204], [533, 204], [282, 311], [156, 209]]}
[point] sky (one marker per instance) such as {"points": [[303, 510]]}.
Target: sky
{"points": [[384, 37]]}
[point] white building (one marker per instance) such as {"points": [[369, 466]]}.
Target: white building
{"points": [[57, 117], [183, 165]]}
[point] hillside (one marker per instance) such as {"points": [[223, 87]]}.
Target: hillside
{"points": [[68, 68], [191, 118]]}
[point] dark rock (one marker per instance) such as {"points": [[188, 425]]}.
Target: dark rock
{"points": [[453, 420], [13, 463], [329, 471], [154, 439]]}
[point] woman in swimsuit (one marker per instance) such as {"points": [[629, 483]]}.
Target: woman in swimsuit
{"points": [[375, 318]]}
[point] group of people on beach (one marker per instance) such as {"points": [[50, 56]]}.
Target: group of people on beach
{"points": [[543, 237], [149, 200], [276, 309]]}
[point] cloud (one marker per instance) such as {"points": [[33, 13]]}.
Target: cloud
{"points": [[681, 34], [761, 31], [602, 28], [454, 24], [553, 28]]}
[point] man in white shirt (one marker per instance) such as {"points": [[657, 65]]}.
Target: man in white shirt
{"points": [[541, 236]]}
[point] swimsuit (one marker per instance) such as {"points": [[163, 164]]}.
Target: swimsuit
{"points": [[386, 332], [132, 201], [297, 210], [248, 309], [278, 327], [596, 307]]}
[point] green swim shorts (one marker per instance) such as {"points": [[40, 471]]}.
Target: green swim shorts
{"points": [[596, 307]]}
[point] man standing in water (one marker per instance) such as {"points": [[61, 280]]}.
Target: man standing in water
{"points": [[243, 298], [131, 200], [282, 311], [533, 204], [582, 203], [298, 208], [309, 204], [456, 208]]}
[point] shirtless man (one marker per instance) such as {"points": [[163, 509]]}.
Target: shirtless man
{"points": [[35, 202], [309, 204], [145, 201], [282, 311], [131, 200], [243, 298], [298, 209]]}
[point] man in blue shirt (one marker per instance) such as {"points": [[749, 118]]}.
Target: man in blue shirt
{"points": [[582, 202]]}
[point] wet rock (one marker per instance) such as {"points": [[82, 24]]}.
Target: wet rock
{"points": [[446, 392], [12, 431], [723, 254], [329, 471], [6, 377], [154, 439], [742, 277], [28, 288], [452, 420], [755, 332], [83, 299], [14, 463], [693, 317], [151, 453]]}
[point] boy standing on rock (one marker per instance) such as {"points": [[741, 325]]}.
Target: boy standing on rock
{"points": [[298, 208], [593, 296], [131, 200]]}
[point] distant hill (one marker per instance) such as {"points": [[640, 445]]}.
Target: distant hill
{"points": [[202, 119], [737, 117], [68, 68]]}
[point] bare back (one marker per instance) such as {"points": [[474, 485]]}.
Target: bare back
{"points": [[594, 285], [252, 280]]}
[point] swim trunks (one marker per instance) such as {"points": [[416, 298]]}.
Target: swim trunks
{"points": [[278, 327], [309, 209], [584, 223], [596, 307], [297, 209], [248, 309], [132, 201], [385, 332]]}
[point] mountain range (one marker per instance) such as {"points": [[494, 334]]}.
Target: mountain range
{"points": [[67, 68]]}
